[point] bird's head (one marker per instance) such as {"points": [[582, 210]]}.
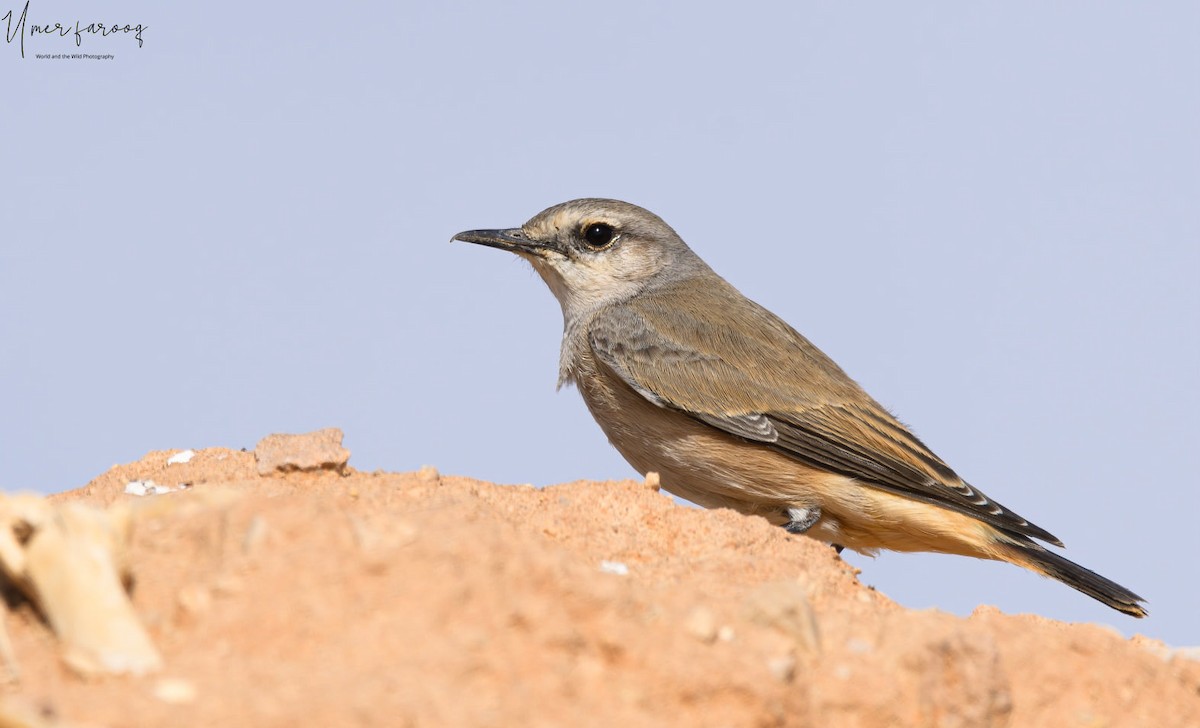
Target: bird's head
{"points": [[594, 252]]}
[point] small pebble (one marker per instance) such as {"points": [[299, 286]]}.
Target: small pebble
{"points": [[227, 585], [783, 667], [784, 606], [614, 567], [653, 482], [256, 534], [175, 691], [320, 450], [701, 623], [194, 599]]}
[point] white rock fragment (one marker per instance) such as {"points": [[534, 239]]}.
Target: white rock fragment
{"points": [[614, 567], [67, 564], [148, 487], [181, 457], [1188, 653]]}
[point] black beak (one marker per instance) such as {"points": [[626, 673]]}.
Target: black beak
{"points": [[515, 240]]}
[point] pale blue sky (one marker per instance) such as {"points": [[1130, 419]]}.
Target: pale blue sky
{"points": [[986, 212]]}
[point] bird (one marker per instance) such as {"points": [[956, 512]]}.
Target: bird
{"points": [[734, 408]]}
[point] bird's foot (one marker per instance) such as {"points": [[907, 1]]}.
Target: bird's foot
{"points": [[801, 519]]}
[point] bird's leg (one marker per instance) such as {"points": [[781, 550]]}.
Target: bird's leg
{"points": [[801, 519]]}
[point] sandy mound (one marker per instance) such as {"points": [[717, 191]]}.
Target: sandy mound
{"points": [[346, 598]]}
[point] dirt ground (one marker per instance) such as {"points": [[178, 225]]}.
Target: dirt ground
{"points": [[414, 599]]}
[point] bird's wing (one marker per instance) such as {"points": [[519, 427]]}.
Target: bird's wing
{"points": [[735, 366]]}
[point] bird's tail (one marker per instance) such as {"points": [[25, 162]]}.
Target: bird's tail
{"points": [[1035, 558]]}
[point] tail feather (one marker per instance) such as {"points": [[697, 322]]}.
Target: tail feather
{"points": [[1034, 557]]}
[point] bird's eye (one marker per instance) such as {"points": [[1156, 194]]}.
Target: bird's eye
{"points": [[598, 235]]}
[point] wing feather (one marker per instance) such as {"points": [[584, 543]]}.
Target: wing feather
{"points": [[766, 383]]}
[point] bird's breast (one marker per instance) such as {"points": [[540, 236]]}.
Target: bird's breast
{"points": [[694, 460]]}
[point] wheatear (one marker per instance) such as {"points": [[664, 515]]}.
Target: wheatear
{"points": [[735, 409]]}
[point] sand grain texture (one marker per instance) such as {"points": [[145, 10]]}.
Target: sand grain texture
{"points": [[415, 599]]}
